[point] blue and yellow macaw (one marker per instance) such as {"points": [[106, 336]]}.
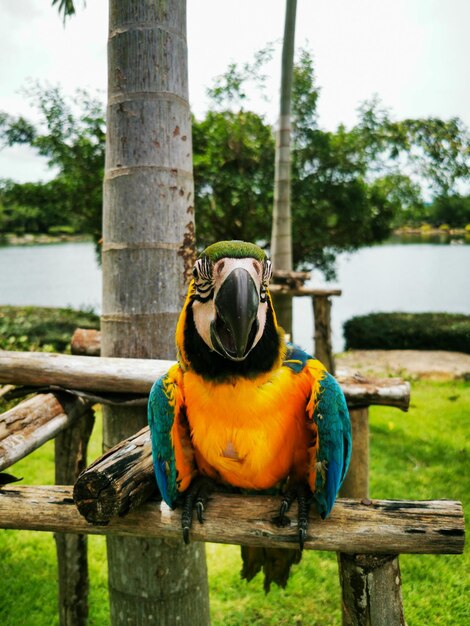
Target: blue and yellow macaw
{"points": [[242, 408]]}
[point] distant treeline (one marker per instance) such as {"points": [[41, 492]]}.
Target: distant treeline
{"points": [[350, 187]]}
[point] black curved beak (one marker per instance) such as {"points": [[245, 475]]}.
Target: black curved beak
{"points": [[235, 327]]}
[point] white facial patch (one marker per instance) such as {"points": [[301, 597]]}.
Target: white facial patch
{"points": [[204, 313]]}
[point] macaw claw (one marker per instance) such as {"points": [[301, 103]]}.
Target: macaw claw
{"points": [[301, 491], [196, 497]]}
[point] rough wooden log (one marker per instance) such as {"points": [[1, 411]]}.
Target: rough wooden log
{"points": [[361, 391], [138, 375], [86, 342], [70, 459], [118, 481], [371, 587], [381, 527], [31, 423], [81, 372], [322, 331]]}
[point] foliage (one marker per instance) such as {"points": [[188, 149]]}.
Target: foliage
{"points": [[453, 210], [34, 208], [71, 135], [350, 187], [233, 176], [407, 461], [409, 331], [65, 7], [41, 329]]}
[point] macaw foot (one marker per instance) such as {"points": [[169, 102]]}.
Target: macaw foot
{"points": [[302, 492], [196, 497]]}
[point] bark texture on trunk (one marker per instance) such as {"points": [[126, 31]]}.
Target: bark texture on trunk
{"points": [[148, 253], [281, 236]]}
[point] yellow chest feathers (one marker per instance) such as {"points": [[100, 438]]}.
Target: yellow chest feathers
{"points": [[252, 432]]}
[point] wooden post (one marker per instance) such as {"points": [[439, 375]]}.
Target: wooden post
{"points": [[371, 584], [356, 483], [322, 334], [70, 459]]}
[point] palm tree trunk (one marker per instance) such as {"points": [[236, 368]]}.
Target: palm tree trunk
{"points": [[148, 251], [281, 236]]}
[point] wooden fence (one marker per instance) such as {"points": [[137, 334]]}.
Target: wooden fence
{"points": [[113, 493]]}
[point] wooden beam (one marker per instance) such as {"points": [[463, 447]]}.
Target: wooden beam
{"points": [[138, 375], [31, 423], [381, 526], [81, 372], [304, 291]]}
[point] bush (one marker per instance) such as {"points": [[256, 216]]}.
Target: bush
{"points": [[44, 329], [409, 331]]}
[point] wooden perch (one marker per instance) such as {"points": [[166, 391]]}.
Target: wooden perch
{"points": [[377, 526], [33, 422], [118, 481], [138, 375]]}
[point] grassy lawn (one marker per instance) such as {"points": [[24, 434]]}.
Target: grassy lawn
{"points": [[422, 454]]}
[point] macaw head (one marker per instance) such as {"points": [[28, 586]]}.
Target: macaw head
{"points": [[228, 312]]}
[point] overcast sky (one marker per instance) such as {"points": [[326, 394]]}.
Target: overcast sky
{"points": [[413, 53]]}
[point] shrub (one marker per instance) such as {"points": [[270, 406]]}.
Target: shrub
{"points": [[408, 331], [37, 328]]}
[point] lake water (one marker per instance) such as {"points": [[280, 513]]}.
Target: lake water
{"points": [[391, 277]]}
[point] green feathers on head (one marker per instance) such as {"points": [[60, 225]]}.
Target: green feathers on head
{"points": [[233, 250]]}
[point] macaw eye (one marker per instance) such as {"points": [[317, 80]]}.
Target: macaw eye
{"points": [[195, 274]]}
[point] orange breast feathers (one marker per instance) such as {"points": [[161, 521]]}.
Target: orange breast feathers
{"points": [[251, 433]]}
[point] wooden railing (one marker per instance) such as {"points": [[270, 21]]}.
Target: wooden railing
{"points": [[113, 493]]}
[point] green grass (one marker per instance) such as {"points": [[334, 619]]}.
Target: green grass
{"points": [[422, 454]]}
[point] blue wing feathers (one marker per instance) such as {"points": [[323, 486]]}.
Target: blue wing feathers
{"points": [[334, 431], [160, 418]]}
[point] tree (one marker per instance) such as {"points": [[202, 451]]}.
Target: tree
{"points": [[71, 135], [233, 173], [281, 231], [350, 187], [148, 255]]}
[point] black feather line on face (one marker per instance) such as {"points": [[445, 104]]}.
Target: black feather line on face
{"points": [[213, 366]]}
